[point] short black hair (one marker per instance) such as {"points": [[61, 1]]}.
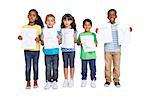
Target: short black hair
{"points": [[112, 10], [87, 20]]}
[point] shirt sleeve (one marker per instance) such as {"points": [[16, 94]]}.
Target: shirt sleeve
{"points": [[79, 39], [39, 31], [95, 39]]}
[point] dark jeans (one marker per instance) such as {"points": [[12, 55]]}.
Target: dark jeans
{"points": [[92, 68], [31, 56], [51, 63], [68, 59]]}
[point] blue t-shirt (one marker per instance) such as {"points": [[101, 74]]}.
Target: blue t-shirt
{"points": [[53, 51]]}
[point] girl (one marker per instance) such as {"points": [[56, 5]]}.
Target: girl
{"points": [[88, 56], [51, 53], [68, 26], [35, 23]]}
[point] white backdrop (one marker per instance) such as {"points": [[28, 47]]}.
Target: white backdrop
{"points": [[134, 61]]}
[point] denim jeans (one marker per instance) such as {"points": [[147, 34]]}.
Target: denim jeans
{"points": [[31, 56], [92, 65], [51, 63], [68, 59]]}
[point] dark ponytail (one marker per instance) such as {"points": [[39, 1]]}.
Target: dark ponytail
{"points": [[39, 20]]}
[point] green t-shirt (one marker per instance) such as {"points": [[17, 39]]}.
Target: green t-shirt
{"points": [[87, 55]]}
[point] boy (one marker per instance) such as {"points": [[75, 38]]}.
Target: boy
{"points": [[88, 56], [112, 47]]}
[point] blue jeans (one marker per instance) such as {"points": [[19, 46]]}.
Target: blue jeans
{"points": [[51, 63], [31, 56], [92, 68], [68, 59]]}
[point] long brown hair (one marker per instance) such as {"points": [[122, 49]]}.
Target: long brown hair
{"points": [[69, 17]]}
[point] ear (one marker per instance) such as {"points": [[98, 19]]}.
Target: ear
{"points": [[116, 16]]}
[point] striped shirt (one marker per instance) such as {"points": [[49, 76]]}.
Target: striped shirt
{"points": [[113, 46]]}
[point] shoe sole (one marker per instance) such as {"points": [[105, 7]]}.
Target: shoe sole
{"points": [[35, 86], [28, 87], [106, 85], [117, 86]]}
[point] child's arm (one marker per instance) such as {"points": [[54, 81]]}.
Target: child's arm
{"points": [[96, 44], [95, 40], [75, 38], [59, 37], [42, 39], [38, 38]]}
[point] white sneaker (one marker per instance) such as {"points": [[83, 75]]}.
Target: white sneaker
{"points": [[83, 83], [93, 84], [55, 86], [66, 83], [71, 83], [48, 85]]}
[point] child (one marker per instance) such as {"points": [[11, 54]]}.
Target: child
{"points": [[36, 23], [51, 54], [88, 57], [112, 48], [68, 53]]}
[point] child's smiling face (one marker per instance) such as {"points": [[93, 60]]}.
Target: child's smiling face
{"points": [[32, 16], [50, 21], [87, 26], [112, 16]]}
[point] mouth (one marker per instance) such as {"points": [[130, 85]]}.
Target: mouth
{"points": [[112, 19]]}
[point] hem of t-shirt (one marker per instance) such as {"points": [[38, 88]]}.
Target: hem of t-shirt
{"points": [[112, 51], [51, 54], [88, 58], [31, 50]]}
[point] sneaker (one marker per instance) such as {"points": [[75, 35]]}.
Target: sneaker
{"points": [[93, 84], [71, 83], [48, 85], [117, 84], [35, 84], [28, 86], [55, 86], [83, 83], [66, 83], [107, 84]]}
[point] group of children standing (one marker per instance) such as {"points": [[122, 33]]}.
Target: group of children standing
{"points": [[112, 51]]}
